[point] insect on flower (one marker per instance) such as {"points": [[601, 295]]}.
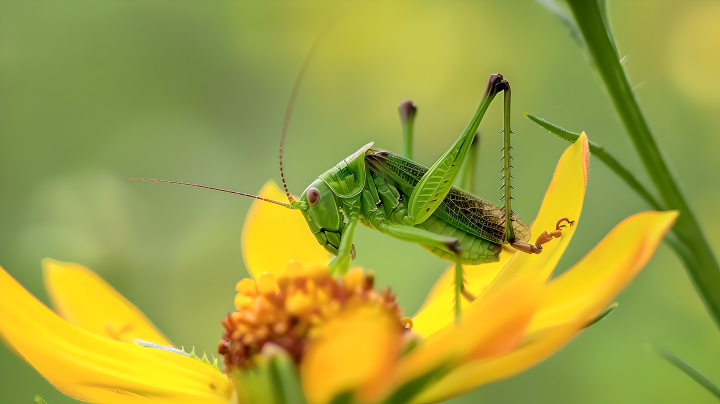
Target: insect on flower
{"points": [[398, 197], [301, 335]]}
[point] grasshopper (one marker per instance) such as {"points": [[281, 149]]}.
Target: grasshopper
{"points": [[398, 197]]}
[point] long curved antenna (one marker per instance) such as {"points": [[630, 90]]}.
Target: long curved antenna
{"points": [[293, 96], [287, 205]]}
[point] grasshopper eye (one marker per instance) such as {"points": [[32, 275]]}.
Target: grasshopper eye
{"points": [[313, 196]]}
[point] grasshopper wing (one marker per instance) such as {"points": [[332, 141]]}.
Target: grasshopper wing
{"points": [[459, 208]]}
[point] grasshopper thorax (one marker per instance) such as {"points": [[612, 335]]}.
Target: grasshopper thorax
{"points": [[324, 198]]}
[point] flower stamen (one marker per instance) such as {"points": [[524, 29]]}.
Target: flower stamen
{"points": [[285, 311]]}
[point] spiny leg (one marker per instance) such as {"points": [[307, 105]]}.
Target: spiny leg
{"points": [[407, 111], [507, 177], [507, 196], [450, 244], [507, 187]]}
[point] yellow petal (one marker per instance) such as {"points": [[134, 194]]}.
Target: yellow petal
{"points": [[267, 285], [564, 198], [570, 302], [487, 330], [355, 352], [438, 310], [84, 299], [273, 235], [476, 373], [247, 287], [592, 284], [92, 368]]}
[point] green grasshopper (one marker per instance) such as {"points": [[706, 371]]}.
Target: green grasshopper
{"points": [[398, 197]]}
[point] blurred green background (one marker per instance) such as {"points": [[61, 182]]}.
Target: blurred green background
{"points": [[196, 91]]}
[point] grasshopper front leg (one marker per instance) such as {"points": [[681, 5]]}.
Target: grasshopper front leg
{"points": [[341, 263], [435, 184]]}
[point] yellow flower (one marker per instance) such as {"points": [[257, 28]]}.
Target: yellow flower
{"points": [[568, 303], [308, 315], [299, 335], [272, 236], [89, 354], [520, 315]]}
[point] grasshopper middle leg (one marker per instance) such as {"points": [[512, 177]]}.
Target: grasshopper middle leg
{"points": [[422, 236]]}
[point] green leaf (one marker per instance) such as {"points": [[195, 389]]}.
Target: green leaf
{"points": [[599, 152], [604, 314], [40, 400], [253, 385], [272, 379], [286, 379], [343, 398], [566, 20], [409, 390], [688, 370]]}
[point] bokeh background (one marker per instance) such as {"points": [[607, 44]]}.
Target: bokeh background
{"points": [[196, 91]]}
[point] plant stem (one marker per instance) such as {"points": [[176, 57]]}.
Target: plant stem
{"points": [[701, 264]]}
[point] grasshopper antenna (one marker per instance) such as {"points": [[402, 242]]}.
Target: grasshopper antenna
{"points": [[293, 97], [287, 205]]}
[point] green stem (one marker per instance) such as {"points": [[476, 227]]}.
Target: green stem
{"points": [[599, 152], [407, 116], [701, 264]]}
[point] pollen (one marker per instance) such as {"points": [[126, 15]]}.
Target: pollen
{"points": [[286, 311]]}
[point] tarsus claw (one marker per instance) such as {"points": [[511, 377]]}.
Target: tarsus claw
{"points": [[545, 236], [559, 226]]}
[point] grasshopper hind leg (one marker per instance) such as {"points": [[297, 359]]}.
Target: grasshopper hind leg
{"points": [[507, 196]]}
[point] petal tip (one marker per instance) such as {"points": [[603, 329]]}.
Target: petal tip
{"points": [[585, 154], [272, 236], [49, 263], [54, 268], [270, 187], [668, 217]]}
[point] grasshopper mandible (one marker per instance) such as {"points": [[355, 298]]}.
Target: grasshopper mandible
{"points": [[398, 197]]}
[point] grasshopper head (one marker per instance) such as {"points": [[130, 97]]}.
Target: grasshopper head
{"points": [[322, 215]]}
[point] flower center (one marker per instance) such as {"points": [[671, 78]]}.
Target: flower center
{"points": [[286, 310]]}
